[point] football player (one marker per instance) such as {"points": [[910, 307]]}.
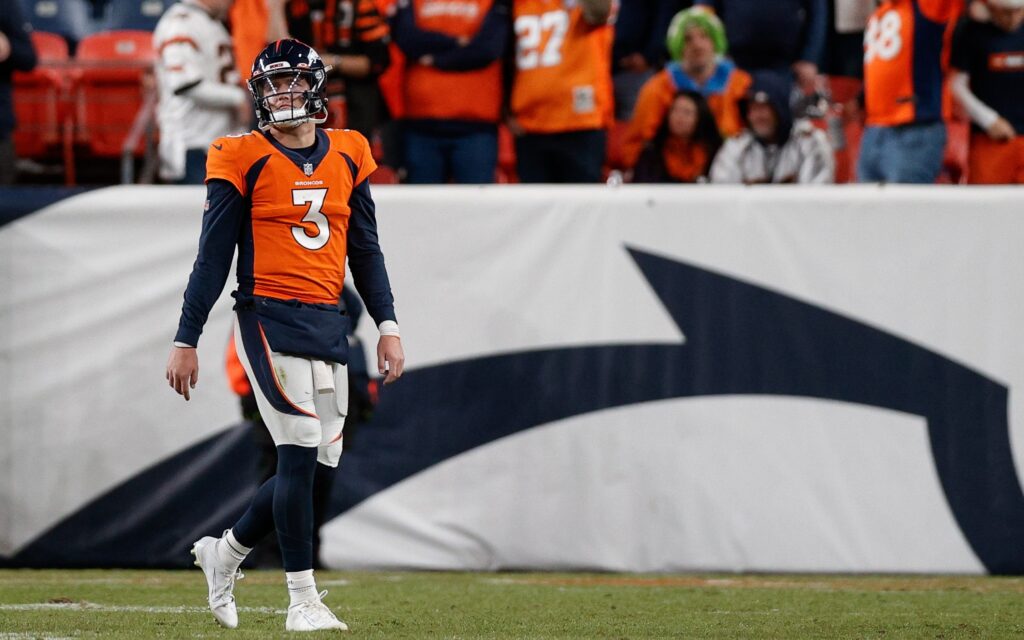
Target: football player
{"points": [[296, 202]]}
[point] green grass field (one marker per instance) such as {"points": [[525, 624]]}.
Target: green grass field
{"points": [[172, 604]]}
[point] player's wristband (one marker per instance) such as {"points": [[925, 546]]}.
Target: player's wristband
{"points": [[183, 345], [389, 328]]}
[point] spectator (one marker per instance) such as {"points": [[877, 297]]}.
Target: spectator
{"points": [[254, 24], [784, 36], [352, 36], [561, 89], [903, 50], [16, 54], [988, 82], [639, 47], [200, 94], [685, 144], [773, 148], [453, 87], [696, 38]]}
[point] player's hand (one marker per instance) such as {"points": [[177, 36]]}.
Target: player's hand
{"points": [[1001, 130], [390, 358], [5, 47], [183, 369]]}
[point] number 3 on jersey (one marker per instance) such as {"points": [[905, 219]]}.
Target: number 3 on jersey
{"points": [[530, 32], [314, 199]]}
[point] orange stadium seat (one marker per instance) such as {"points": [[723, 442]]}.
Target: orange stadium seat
{"points": [[39, 98], [110, 87]]}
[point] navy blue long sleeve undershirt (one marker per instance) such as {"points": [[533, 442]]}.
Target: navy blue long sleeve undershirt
{"points": [[222, 223]]}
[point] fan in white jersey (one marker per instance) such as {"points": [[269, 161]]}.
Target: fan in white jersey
{"points": [[201, 97]]}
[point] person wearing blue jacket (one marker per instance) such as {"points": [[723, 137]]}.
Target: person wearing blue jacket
{"points": [[16, 54]]}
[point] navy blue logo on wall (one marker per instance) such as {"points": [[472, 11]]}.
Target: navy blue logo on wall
{"points": [[741, 340]]}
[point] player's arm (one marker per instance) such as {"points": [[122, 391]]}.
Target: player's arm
{"points": [[596, 12], [486, 46], [221, 223], [366, 261]]}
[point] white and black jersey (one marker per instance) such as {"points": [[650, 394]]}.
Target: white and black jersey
{"points": [[198, 84]]}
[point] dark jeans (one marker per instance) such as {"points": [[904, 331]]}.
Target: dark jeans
{"points": [[574, 156], [469, 158]]}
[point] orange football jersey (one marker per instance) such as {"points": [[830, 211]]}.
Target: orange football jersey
{"points": [[297, 232], [905, 54], [563, 68]]}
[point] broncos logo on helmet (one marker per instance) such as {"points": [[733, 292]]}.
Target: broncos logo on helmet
{"points": [[287, 85]]}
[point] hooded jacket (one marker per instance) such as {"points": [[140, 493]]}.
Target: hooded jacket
{"points": [[800, 153]]}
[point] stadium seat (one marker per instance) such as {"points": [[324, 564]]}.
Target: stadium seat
{"points": [[71, 19], [110, 88], [38, 98], [132, 14]]}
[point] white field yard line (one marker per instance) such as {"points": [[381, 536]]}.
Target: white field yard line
{"points": [[106, 608]]}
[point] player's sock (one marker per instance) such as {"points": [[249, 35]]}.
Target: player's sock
{"points": [[258, 520], [293, 505], [301, 586], [231, 552]]}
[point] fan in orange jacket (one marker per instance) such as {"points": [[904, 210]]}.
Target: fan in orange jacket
{"points": [[696, 40]]}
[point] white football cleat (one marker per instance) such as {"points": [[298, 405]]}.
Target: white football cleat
{"points": [[221, 583], [313, 615]]}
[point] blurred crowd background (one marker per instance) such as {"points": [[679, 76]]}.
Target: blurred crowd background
{"points": [[533, 91]]}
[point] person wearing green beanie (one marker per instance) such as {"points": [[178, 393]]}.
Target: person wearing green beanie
{"points": [[697, 42]]}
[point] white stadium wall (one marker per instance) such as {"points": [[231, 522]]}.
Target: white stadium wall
{"points": [[627, 379]]}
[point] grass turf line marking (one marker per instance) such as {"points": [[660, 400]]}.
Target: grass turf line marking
{"points": [[104, 608]]}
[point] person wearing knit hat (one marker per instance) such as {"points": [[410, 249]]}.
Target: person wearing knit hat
{"points": [[697, 41], [988, 73]]}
